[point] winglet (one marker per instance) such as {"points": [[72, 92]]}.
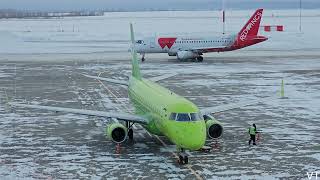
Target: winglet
{"points": [[135, 63]]}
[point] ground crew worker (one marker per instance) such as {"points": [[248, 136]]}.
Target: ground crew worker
{"points": [[252, 131]]}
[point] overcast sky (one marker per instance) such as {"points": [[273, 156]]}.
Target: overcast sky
{"points": [[134, 5]]}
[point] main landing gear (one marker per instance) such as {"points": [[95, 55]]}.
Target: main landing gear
{"points": [[130, 130], [183, 157], [200, 59]]}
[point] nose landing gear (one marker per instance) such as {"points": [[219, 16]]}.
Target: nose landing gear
{"points": [[143, 59], [183, 157], [130, 133], [130, 130]]}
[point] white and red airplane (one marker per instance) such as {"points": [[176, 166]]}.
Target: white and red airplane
{"points": [[194, 47]]}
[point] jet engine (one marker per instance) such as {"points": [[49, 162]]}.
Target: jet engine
{"points": [[117, 132], [182, 55], [214, 127]]}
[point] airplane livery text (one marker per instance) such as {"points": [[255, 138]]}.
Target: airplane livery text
{"points": [[245, 32]]}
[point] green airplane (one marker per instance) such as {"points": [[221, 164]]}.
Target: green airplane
{"points": [[159, 110]]}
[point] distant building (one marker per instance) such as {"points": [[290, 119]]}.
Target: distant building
{"points": [[10, 13]]}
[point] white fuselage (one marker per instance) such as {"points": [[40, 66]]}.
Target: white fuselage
{"points": [[172, 45], [194, 47]]}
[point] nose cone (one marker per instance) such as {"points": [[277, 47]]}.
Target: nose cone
{"points": [[189, 135], [137, 48]]}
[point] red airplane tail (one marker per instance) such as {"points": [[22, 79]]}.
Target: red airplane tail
{"points": [[249, 33], [252, 27]]}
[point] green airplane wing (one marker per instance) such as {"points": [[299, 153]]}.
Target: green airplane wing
{"points": [[118, 115]]}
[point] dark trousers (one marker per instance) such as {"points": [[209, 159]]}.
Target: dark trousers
{"points": [[252, 138]]}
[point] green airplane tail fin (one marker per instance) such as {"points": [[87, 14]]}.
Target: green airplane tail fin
{"points": [[135, 62]]}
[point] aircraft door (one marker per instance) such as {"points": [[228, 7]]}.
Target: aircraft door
{"points": [[152, 43]]}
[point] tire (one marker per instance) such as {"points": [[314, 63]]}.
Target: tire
{"points": [[200, 59], [181, 159], [186, 160]]}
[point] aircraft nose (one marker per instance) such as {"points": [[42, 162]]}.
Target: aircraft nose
{"points": [[192, 137], [136, 47]]}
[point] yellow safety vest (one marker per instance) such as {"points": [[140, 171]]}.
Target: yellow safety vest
{"points": [[252, 131]]}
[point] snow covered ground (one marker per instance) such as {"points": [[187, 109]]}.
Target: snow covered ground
{"points": [[47, 145], [44, 145]]}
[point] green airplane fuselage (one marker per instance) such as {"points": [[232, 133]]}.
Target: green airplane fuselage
{"points": [[168, 113]]}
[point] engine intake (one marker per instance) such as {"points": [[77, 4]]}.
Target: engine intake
{"points": [[214, 127], [117, 132]]}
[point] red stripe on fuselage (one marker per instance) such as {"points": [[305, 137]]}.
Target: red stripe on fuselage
{"points": [[163, 42]]}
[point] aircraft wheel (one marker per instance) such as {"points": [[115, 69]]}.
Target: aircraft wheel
{"points": [[186, 159], [130, 134], [200, 59], [181, 159]]}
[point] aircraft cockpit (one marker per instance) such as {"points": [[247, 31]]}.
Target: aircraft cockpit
{"points": [[185, 116], [139, 42]]}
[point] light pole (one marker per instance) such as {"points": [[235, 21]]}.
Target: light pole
{"points": [[300, 4], [223, 17]]}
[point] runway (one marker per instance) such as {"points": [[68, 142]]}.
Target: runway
{"points": [[37, 144]]}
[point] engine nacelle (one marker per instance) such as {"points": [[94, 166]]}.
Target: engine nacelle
{"points": [[182, 55], [117, 132], [172, 53], [214, 127]]}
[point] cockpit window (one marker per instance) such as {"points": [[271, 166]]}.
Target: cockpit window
{"points": [[139, 42], [173, 116], [195, 116], [185, 116]]}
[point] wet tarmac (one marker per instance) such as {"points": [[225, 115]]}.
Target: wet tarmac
{"points": [[36, 144]]}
